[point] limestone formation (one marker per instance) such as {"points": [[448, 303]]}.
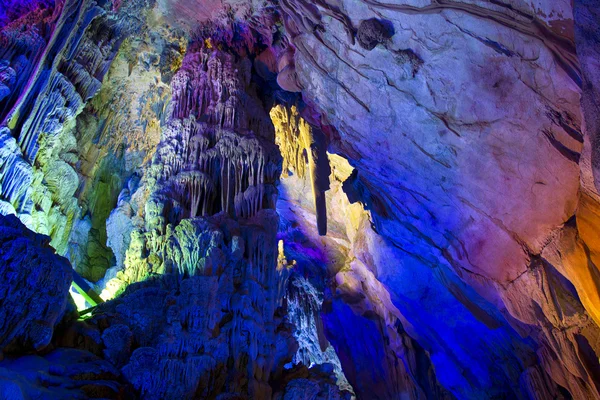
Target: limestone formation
{"points": [[34, 287], [208, 218], [304, 147], [453, 201], [296, 199]]}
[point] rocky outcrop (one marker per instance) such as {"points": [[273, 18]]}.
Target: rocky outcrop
{"points": [[186, 342], [429, 120], [304, 304], [288, 198], [61, 374], [26, 32], [34, 287], [315, 383]]}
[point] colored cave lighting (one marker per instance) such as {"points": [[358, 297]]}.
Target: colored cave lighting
{"points": [[80, 301], [296, 199]]}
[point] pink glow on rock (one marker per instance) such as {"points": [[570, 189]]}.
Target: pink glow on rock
{"points": [[11, 10], [190, 12]]}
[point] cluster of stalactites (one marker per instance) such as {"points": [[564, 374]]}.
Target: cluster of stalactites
{"points": [[76, 79], [22, 43], [208, 170], [61, 104], [51, 63], [212, 86], [217, 152], [209, 210], [16, 176]]}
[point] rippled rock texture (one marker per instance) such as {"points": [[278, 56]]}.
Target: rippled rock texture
{"points": [[301, 199], [448, 121]]}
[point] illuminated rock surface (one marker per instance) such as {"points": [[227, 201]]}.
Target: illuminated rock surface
{"points": [[300, 199]]}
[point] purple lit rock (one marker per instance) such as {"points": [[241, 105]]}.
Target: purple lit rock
{"points": [[460, 206]]}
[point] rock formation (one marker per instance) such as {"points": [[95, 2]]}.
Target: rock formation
{"points": [[35, 286], [203, 216], [297, 199], [428, 139]]}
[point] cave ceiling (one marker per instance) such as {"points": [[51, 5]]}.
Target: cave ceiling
{"points": [[294, 199]]}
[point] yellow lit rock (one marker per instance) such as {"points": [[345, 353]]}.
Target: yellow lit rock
{"points": [[584, 272], [575, 252], [300, 144]]}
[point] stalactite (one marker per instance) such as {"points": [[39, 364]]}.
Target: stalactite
{"points": [[302, 145], [52, 61], [209, 212], [16, 175], [22, 44]]}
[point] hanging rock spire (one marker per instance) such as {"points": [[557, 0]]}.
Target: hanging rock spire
{"points": [[302, 145]]}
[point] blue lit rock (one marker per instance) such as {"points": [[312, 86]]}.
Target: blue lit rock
{"points": [[460, 206], [61, 374], [34, 287], [447, 123], [16, 176]]}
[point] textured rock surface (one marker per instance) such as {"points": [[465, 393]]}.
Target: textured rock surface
{"points": [[288, 198], [203, 214], [304, 307], [61, 374], [587, 39], [34, 287], [353, 296], [455, 111], [52, 67]]}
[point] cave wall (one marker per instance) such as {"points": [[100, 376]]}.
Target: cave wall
{"points": [[448, 111], [57, 55], [301, 199]]}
